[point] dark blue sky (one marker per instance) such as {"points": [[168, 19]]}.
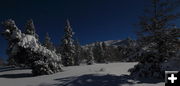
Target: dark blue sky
{"points": [[91, 20]]}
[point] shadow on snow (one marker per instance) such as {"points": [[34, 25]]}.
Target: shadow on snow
{"points": [[102, 80], [21, 75]]}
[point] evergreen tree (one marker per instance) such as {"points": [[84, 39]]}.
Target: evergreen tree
{"points": [[90, 57], [128, 51], [78, 50], [30, 28], [25, 50], [158, 38], [11, 42], [68, 48], [113, 54], [99, 52], [105, 52], [47, 43]]}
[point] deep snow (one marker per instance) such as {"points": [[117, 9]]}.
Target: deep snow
{"points": [[112, 74]]}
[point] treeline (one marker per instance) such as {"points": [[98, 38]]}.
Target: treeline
{"points": [[73, 53]]}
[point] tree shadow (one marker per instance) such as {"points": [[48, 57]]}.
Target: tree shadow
{"points": [[21, 75], [10, 68], [102, 80], [94, 80], [149, 80]]}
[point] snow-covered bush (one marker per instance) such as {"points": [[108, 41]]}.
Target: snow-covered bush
{"points": [[26, 49], [149, 66]]}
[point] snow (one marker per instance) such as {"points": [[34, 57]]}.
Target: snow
{"points": [[29, 41], [16, 34], [112, 74], [7, 31], [108, 42]]}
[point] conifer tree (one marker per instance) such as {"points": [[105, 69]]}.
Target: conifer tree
{"points": [[105, 52], [47, 43], [90, 57], [30, 28], [99, 52], [158, 38], [78, 50], [68, 48], [26, 51], [12, 27]]}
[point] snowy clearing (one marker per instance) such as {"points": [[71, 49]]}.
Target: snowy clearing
{"points": [[112, 74]]}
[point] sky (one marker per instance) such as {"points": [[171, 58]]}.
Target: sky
{"points": [[91, 20]]}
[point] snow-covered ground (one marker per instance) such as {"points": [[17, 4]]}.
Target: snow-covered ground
{"points": [[112, 74]]}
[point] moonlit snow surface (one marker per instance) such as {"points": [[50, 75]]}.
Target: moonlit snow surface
{"points": [[112, 74]]}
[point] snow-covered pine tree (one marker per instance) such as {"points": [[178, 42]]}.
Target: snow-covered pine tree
{"points": [[30, 28], [113, 54], [47, 43], [98, 53], [90, 57], [105, 52], [78, 50], [68, 48], [11, 42], [83, 55], [158, 38], [26, 49], [128, 51]]}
